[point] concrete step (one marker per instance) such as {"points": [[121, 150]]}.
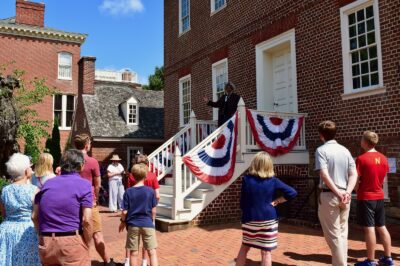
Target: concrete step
{"points": [[165, 224]]}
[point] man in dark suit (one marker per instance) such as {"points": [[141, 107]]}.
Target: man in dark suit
{"points": [[226, 104]]}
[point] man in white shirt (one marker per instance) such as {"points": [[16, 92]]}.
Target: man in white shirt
{"points": [[338, 176]]}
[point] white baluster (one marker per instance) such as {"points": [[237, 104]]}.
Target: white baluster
{"points": [[177, 176], [241, 129], [193, 131]]}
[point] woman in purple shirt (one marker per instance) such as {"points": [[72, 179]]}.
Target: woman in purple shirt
{"points": [[62, 215], [259, 217]]}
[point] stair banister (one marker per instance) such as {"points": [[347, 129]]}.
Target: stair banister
{"points": [[177, 187], [241, 129]]}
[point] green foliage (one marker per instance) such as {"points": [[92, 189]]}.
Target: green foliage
{"points": [[156, 81], [53, 145], [3, 182]]}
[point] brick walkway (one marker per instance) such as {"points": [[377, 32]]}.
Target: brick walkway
{"points": [[218, 245]]}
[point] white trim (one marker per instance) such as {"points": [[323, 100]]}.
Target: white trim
{"points": [[288, 36], [213, 10], [111, 139], [214, 83], [58, 65], [128, 113], [346, 57], [181, 32], [181, 81], [364, 92], [64, 110]]}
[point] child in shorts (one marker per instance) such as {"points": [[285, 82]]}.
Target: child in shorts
{"points": [[138, 216]]}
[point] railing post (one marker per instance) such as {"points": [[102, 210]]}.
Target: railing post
{"points": [[193, 130], [242, 129], [177, 203]]}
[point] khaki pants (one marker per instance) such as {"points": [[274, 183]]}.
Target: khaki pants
{"points": [[65, 250], [334, 216]]}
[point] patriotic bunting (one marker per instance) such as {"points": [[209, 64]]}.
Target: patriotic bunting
{"points": [[274, 135], [215, 163]]}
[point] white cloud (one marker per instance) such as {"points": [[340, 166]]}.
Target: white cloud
{"points": [[121, 7]]}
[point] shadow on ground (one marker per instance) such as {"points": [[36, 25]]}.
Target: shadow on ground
{"points": [[100, 263]]}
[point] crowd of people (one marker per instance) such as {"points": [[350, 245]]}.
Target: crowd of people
{"points": [[52, 219]]}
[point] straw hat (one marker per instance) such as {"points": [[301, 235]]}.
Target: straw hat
{"points": [[115, 157]]}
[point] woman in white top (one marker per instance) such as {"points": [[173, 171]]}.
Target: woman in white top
{"points": [[43, 170], [116, 189]]}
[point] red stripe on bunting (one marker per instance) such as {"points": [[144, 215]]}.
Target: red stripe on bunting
{"points": [[278, 150]]}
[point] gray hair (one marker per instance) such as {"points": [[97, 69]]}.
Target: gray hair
{"points": [[17, 164], [72, 161]]}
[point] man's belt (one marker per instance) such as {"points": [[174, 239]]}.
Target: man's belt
{"points": [[72, 233]]}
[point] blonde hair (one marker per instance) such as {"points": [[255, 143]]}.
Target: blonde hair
{"points": [[44, 165], [371, 138], [139, 171], [262, 166]]}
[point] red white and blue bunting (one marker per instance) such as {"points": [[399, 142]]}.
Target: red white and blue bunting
{"points": [[215, 163], [274, 135]]}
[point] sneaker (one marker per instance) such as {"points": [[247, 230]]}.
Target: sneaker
{"points": [[126, 262], [366, 262], [111, 263], [386, 261]]}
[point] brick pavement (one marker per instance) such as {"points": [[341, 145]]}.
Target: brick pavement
{"points": [[218, 245]]}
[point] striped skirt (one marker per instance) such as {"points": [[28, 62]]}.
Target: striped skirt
{"points": [[261, 235]]}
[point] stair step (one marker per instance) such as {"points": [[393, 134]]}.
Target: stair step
{"points": [[166, 189], [166, 224], [169, 207], [166, 198]]}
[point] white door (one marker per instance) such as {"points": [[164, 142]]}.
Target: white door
{"points": [[282, 85]]}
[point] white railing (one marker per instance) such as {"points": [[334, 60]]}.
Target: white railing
{"points": [[161, 160], [186, 182]]}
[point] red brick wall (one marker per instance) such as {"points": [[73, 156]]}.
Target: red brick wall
{"points": [[39, 58], [319, 65], [226, 207], [29, 13]]}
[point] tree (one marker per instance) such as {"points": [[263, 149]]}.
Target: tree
{"points": [[26, 98], [156, 81]]}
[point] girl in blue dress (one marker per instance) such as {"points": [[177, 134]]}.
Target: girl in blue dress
{"points": [[19, 245]]}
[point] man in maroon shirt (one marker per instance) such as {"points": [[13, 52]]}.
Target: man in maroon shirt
{"points": [[91, 172], [372, 167]]}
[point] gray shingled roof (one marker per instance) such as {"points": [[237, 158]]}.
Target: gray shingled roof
{"points": [[105, 117]]}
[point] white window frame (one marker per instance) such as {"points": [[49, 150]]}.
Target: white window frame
{"points": [[181, 111], [64, 111], [128, 154], [213, 10], [181, 31], [214, 82], [349, 92], [128, 113], [59, 64]]}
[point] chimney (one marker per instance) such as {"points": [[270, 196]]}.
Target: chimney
{"points": [[87, 65], [29, 13], [127, 76]]}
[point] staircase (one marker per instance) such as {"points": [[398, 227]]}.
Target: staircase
{"points": [[183, 196]]}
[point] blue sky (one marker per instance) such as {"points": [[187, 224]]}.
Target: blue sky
{"points": [[122, 33]]}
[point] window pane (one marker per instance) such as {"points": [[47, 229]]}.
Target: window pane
{"points": [[354, 57], [356, 83], [371, 38], [370, 24], [65, 59], [360, 15], [70, 102], [361, 28], [69, 119], [353, 31], [57, 102], [365, 81], [364, 68], [373, 65], [353, 43], [370, 11], [364, 54], [58, 117], [356, 70], [373, 52], [375, 79], [361, 41], [352, 19]]}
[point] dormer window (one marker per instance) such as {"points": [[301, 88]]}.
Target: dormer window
{"points": [[130, 108]]}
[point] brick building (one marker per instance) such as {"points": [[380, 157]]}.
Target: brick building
{"points": [[44, 52], [337, 60], [121, 117]]}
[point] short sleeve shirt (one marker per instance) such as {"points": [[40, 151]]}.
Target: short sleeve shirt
{"points": [[337, 160], [150, 181], [115, 169], [372, 168], [91, 169], [60, 202], [139, 202]]}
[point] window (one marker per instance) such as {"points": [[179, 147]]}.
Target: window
{"points": [[219, 79], [64, 106], [65, 66], [217, 5], [132, 114], [184, 16], [185, 99], [362, 63], [132, 152]]}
